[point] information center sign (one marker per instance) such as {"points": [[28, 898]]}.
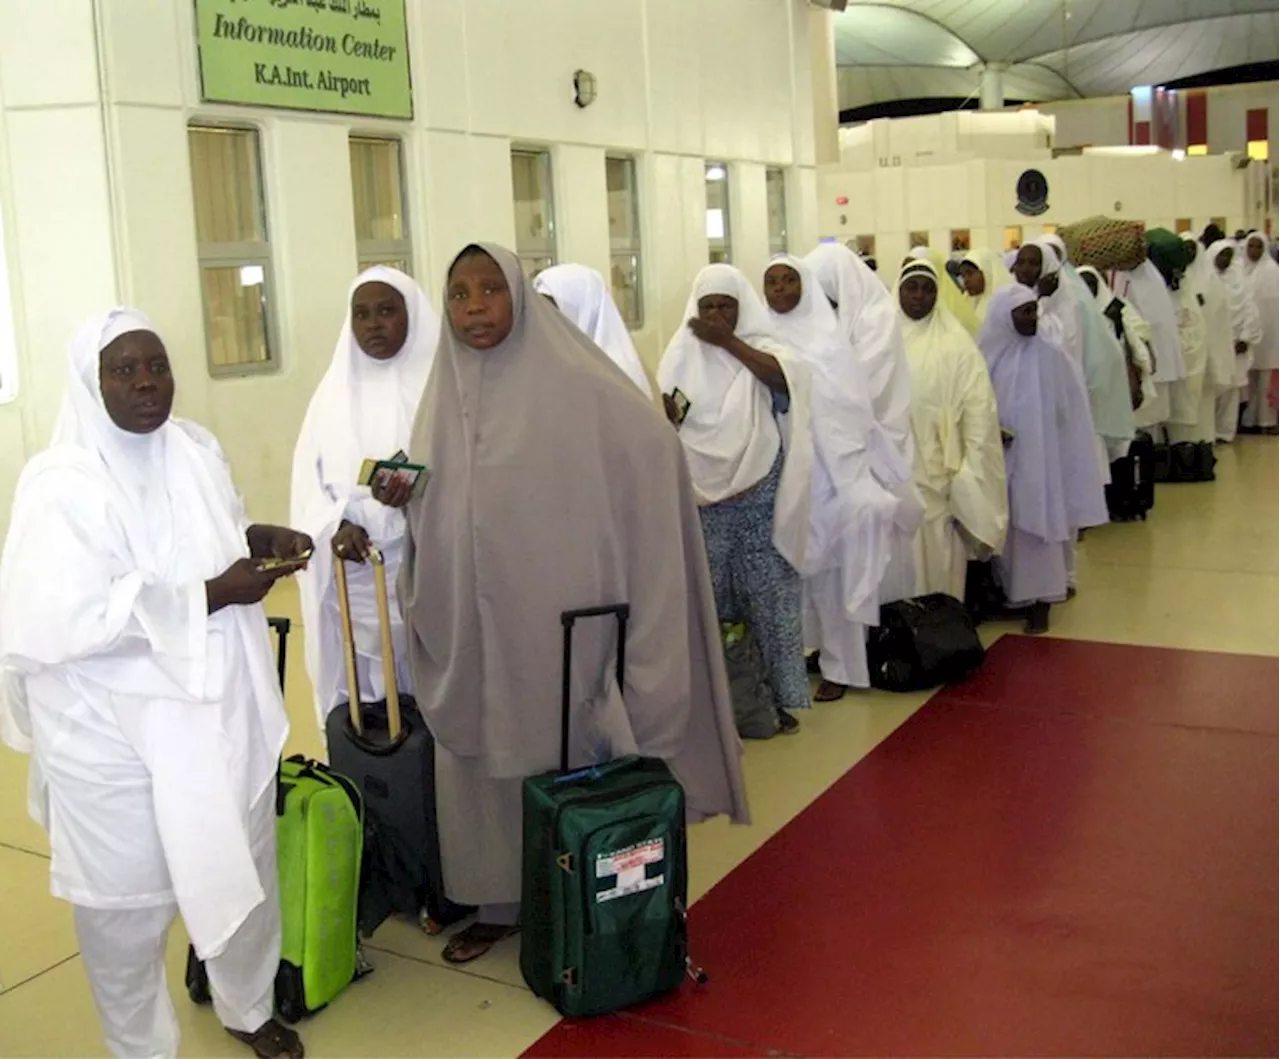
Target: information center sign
{"points": [[344, 56]]}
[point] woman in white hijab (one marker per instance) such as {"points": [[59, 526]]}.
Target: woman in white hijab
{"points": [[860, 482], [136, 668], [362, 409], [582, 295], [1246, 332], [1054, 485], [1131, 331], [868, 321], [983, 273], [748, 441], [1262, 276], [959, 457], [556, 486]]}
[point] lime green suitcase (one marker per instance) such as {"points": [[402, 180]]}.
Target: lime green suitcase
{"points": [[605, 874]]}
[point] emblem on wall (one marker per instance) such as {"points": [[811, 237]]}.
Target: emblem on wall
{"points": [[1033, 193]]}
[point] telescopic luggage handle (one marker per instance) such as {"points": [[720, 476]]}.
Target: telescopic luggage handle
{"points": [[394, 726], [622, 612]]}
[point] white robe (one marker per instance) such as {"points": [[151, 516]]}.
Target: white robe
{"points": [[959, 459], [362, 409], [154, 727], [581, 294]]}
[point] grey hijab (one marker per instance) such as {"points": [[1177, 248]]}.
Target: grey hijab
{"points": [[556, 485]]}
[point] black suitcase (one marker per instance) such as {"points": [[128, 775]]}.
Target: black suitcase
{"points": [[386, 749], [1132, 492], [1192, 461], [923, 643]]}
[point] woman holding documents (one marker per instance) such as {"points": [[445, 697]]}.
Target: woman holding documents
{"points": [[361, 412]]}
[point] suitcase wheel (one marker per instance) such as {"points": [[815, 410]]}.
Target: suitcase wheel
{"points": [[290, 1009], [429, 926]]}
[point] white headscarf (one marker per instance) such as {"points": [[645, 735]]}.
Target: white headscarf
{"points": [[1145, 288], [869, 320], [730, 435], [362, 409], [582, 295], [102, 585], [1263, 283], [994, 274]]}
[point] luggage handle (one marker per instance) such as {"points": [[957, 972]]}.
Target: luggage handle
{"points": [[620, 611], [394, 727]]}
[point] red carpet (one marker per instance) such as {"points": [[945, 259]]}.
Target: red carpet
{"points": [[1073, 854]]}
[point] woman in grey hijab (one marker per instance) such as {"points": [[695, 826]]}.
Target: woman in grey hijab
{"points": [[554, 485]]}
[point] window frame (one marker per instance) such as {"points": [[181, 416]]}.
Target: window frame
{"points": [[727, 239], [783, 244], [240, 254], [636, 249], [543, 152], [371, 252]]}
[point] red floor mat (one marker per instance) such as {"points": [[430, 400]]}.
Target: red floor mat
{"points": [[1031, 879]]}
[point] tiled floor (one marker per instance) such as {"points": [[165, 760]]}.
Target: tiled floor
{"points": [[1201, 575]]}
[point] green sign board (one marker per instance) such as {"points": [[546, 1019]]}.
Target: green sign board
{"points": [[344, 56]]}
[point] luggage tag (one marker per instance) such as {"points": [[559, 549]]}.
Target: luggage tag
{"points": [[681, 404]]}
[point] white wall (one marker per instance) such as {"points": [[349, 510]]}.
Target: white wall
{"points": [[95, 186]]}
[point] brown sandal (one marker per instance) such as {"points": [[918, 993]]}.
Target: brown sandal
{"points": [[829, 691], [272, 1040], [477, 939]]}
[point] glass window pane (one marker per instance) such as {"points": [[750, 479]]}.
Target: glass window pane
{"points": [[235, 307], [533, 264], [624, 277], [377, 190], [620, 181], [227, 183], [531, 191], [719, 237], [775, 188]]}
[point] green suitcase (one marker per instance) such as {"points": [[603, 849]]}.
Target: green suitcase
{"points": [[319, 844], [605, 873]]}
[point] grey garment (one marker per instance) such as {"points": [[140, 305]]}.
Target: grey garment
{"points": [[755, 584], [555, 485], [480, 831], [754, 711]]}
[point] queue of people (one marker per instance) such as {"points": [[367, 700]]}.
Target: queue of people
{"points": [[815, 454]]}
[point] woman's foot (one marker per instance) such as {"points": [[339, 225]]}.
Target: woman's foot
{"points": [[787, 725], [829, 691], [477, 939], [1037, 619], [812, 664], [272, 1040]]}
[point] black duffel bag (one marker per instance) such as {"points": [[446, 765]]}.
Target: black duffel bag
{"points": [[923, 643]]}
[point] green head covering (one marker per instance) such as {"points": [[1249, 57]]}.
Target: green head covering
{"points": [[1169, 254]]}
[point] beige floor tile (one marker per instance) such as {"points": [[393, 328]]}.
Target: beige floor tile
{"points": [[52, 1017], [16, 826], [36, 931]]}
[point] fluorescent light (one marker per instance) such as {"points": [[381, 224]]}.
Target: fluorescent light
{"points": [[1179, 154], [252, 275], [715, 172]]}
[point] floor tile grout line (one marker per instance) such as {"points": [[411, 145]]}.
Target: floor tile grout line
{"points": [[23, 849], [444, 967], [753, 1047], [39, 974]]}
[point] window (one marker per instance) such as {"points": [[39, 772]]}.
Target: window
{"points": [[960, 240], [1197, 150], [1259, 150], [625, 275], [719, 237], [918, 239], [1013, 237], [535, 210], [865, 246], [775, 191], [234, 254], [1183, 225], [377, 193]]}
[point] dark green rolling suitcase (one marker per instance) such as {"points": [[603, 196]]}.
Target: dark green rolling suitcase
{"points": [[605, 879]]}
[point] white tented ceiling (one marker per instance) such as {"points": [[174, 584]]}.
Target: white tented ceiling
{"points": [[1055, 49]]}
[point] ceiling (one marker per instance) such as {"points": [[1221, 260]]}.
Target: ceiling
{"points": [[889, 50]]}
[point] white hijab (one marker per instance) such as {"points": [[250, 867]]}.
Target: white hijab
{"points": [[869, 321], [1263, 283], [1145, 288], [730, 435], [994, 274], [582, 295], [136, 525]]}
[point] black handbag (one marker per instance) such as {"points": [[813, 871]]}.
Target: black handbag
{"points": [[923, 643]]}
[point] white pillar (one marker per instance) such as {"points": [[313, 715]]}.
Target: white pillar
{"points": [[991, 90]]}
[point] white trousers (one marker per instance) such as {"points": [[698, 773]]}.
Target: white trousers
{"points": [[123, 952], [1259, 412], [1227, 414]]}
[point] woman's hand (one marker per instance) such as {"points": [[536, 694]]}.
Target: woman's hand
{"points": [[394, 490], [242, 584], [714, 332], [351, 543]]}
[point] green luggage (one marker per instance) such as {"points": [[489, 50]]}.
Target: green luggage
{"points": [[319, 842], [605, 874]]}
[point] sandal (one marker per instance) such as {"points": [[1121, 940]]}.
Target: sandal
{"points": [[477, 939], [829, 691], [272, 1040]]}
